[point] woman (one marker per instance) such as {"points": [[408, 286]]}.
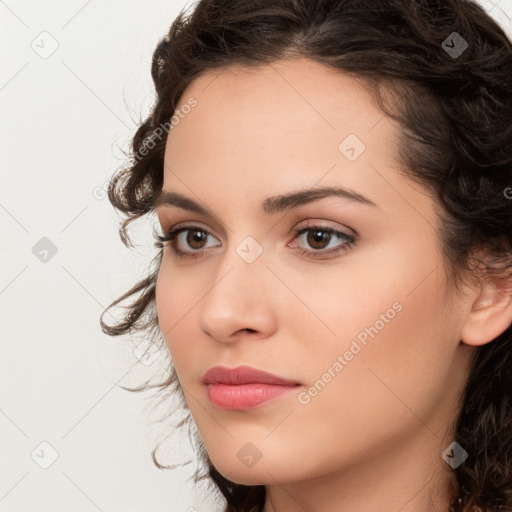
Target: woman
{"points": [[333, 184]]}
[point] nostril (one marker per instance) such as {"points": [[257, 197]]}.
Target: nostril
{"points": [[246, 330]]}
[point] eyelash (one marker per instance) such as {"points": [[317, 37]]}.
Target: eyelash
{"points": [[350, 241]]}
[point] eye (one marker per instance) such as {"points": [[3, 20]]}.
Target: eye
{"points": [[191, 241], [320, 237], [192, 236]]}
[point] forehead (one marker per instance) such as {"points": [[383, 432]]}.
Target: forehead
{"points": [[287, 88], [263, 131], [285, 112]]}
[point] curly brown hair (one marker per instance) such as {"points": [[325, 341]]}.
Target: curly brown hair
{"points": [[456, 119]]}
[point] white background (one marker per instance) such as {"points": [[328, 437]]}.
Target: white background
{"points": [[63, 119]]}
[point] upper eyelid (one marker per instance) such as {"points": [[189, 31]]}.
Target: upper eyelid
{"points": [[326, 224], [189, 226], [298, 230], [164, 221], [300, 225], [171, 225]]}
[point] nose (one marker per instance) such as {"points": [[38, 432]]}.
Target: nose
{"points": [[238, 302]]}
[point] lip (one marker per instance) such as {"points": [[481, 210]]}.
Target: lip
{"points": [[244, 387], [243, 375]]}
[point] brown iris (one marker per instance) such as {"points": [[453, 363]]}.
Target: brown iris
{"points": [[318, 236], [196, 237]]}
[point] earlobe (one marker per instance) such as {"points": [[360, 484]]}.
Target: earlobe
{"points": [[491, 313]]}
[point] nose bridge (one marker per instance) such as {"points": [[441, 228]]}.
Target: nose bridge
{"points": [[236, 298], [244, 261]]}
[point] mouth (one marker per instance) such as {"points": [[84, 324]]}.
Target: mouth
{"points": [[244, 387]]}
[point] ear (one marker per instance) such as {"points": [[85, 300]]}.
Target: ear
{"points": [[490, 310]]}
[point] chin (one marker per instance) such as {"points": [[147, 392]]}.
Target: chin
{"points": [[265, 471], [249, 476]]}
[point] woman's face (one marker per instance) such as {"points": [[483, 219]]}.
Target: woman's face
{"points": [[369, 331]]}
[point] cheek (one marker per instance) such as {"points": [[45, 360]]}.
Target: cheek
{"points": [[391, 353], [178, 299], [175, 298], [390, 325]]}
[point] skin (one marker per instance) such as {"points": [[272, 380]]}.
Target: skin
{"points": [[374, 435]]}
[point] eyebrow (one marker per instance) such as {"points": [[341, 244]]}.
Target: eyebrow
{"points": [[270, 205]]}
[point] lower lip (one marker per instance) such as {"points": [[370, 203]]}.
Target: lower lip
{"points": [[244, 396]]}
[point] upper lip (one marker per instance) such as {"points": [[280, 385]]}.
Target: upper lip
{"points": [[243, 375]]}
